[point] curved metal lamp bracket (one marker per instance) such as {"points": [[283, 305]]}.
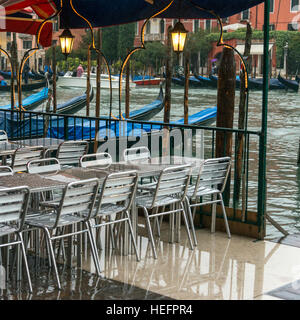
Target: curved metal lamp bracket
{"points": [[131, 52], [99, 52]]}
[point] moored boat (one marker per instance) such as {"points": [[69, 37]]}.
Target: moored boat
{"points": [[290, 84], [80, 82], [146, 80], [31, 102]]}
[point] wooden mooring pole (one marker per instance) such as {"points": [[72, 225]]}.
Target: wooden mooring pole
{"points": [[298, 160], [88, 82], [54, 78], [225, 110], [186, 87]]}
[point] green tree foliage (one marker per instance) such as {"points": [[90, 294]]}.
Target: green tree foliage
{"points": [[198, 42]]}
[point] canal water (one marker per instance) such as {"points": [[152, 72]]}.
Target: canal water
{"points": [[283, 174]]}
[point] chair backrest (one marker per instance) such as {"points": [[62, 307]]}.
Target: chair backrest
{"points": [[78, 197], [6, 171], [97, 160], [3, 136], [14, 204], [172, 181], [137, 155], [213, 174], [118, 188], [43, 166], [69, 152], [23, 155]]}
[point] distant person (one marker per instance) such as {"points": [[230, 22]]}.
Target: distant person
{"points": [[79, 71], [214, 68], [26, 73]]}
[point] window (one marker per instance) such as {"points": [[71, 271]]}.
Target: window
{"points": [[8, 34], [55, 25], [8, 46], [196, 25], [293, 26], [294, 5], [148, 27], [271, 27], [27, 44], [207, 24], [245, 15], [174, 22], [137, 29], [271, 6], [162, 26]]}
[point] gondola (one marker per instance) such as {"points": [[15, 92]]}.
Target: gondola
{"points": [[31, 74], [150, 110], [32, 101], [75, 104], [193, 81], [290, 84], [207, 82], [177, 81], [28, 86], [204, 117]]}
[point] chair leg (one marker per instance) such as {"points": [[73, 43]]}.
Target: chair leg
{"points": [[151, 239], [190, 218], [49, 241], [225, 216], [25, 262], [93, 247], [132, 236], [213, 216], [187, 225]]}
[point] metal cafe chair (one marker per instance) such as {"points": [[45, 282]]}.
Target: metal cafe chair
{"points": [[43, 166], [96, 160], [171, 189], [70, 152], [75, 206], [13, 209], [211, 181], [22, 156], [6, 171], [137, 155], [3, 136], [115, 201]]}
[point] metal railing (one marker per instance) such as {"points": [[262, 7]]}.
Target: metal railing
{"points": [[162, 139]]}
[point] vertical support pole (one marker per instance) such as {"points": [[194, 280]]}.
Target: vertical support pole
{"points": [[98, 83], [127, 90], [54, 78], [165, 142], [261, 198], [88, 82], [186, 87]]}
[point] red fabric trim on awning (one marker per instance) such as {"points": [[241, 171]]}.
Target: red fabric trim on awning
{"points": [[30, 26], [43, 9]]}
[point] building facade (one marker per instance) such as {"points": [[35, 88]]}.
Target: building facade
{"points": [[284, 15]]}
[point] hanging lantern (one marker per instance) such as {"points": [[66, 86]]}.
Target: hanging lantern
{"points": [[178, 37], [66, 40]]}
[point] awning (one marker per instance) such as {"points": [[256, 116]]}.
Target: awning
{"points": [[256, 49], [23, 23], [103, 13]]}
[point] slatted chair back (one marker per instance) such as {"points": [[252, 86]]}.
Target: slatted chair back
{"points": [[137, 155], [23, 155], [44, 166], [69, 152], [13, 205], [3, 136], [118, 188], [6, 171], [213, 174], [78, 197], [172, 182], [97, 160]]}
